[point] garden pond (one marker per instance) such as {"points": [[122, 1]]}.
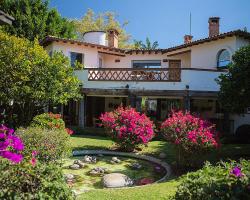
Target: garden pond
{"points": [[84, 173]]}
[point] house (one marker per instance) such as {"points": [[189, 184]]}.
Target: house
{"points": [[155, 81]]}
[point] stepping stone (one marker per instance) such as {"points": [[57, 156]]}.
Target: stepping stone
{"points": [[116, 180], [74, 166]]}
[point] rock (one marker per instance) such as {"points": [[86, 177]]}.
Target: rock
{"points": [[136, 166], [158, 169], [162, 155], [89, 159], [116, 180], [80, 163], [98, 171], [69, 176], [74, 166], [115, 160], [144, 181]]}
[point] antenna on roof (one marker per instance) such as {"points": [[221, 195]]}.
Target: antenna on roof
{"points": [[190, 24]]}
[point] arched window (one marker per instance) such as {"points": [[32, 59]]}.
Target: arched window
{"points": [[223, 58]]}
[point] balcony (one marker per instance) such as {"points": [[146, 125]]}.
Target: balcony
{"points": [[138, 75], [163, 79]]}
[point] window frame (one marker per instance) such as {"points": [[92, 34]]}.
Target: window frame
{"points": [[218, 59], [70, 54], [145, 61]]}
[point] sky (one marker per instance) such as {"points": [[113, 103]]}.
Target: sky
{"points": [[165, 21]]}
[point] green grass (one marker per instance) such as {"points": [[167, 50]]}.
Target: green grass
{"points": [[155, 191]]}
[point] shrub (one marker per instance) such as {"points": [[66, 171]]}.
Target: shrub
{"points": [[224, 181], [127, 127], [11, 146], [191, 135], [51, 145], [27, 181]]}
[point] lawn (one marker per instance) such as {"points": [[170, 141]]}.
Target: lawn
{"points": [[155, 191]]}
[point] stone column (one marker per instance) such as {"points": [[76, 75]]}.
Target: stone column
{"points": [[132, 100], [81, 114], [138, 104]]}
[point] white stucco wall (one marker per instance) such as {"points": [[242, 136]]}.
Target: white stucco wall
{"points": [[201, 56], [91, 57], [205, 55], [240, 120]]}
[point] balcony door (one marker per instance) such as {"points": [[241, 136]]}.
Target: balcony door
{"points": [[174, 64]]}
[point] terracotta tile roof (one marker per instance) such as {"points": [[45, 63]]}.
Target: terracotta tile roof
{"points": [[48, 39], [239, 33]]}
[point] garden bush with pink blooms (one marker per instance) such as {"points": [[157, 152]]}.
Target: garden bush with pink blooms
{"points": [[191, 135], [227, 180], [128, 128], [23, 176]]}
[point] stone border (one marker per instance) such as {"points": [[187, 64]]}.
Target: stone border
{"points": [[131, 155]]}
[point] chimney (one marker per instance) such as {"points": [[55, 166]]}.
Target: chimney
{"points": [[214, 26], [113, 38], [188, 39]]}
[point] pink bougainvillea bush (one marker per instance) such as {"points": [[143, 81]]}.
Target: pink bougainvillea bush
{"points": [[11, 146], [127, 127], [190, 134]]}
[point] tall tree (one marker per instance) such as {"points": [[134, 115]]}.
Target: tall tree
{"points": [[102, 21], [235, 84], [148, 45], [34, 19], [30, 78]]}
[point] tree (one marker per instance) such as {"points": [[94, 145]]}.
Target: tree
{"points": [[30, 78], [234, 92], [34, 19], [138, 44], [102, 21]]}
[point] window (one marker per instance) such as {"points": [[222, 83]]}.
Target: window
{"points": [[223, 58], [146, 63], [79, 57]]}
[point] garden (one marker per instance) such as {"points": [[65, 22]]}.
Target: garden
{"points": [[47, 160]]}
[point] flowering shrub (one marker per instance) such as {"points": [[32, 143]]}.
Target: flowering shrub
{"points": [[32, 181], [127, 127], [11, 146], [50, 121], [44, 144], [225, 181], [190, 134]]}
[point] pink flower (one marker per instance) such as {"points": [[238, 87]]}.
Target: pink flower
{"points": [[33, 162]]}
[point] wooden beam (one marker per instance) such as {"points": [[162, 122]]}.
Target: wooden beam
{"points": [[113, 54], [179, 53]]}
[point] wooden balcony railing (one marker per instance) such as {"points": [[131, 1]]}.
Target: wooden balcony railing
{"points": [[131, 74]]}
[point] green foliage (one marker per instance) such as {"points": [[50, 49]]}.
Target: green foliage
{"points": [[103, 22], [31, 78], [34, 19], [138, 44], [48, 121], [51, 145], [24, 181], [235, 84], [216, 182]]}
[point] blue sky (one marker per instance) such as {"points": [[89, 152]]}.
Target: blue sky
{"points": [[166, 21]]}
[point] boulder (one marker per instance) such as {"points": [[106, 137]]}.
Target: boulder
{"points": [[136, 166], [74, 166], [80, 163], [89, 159], [115, 160], [116, 180]]}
